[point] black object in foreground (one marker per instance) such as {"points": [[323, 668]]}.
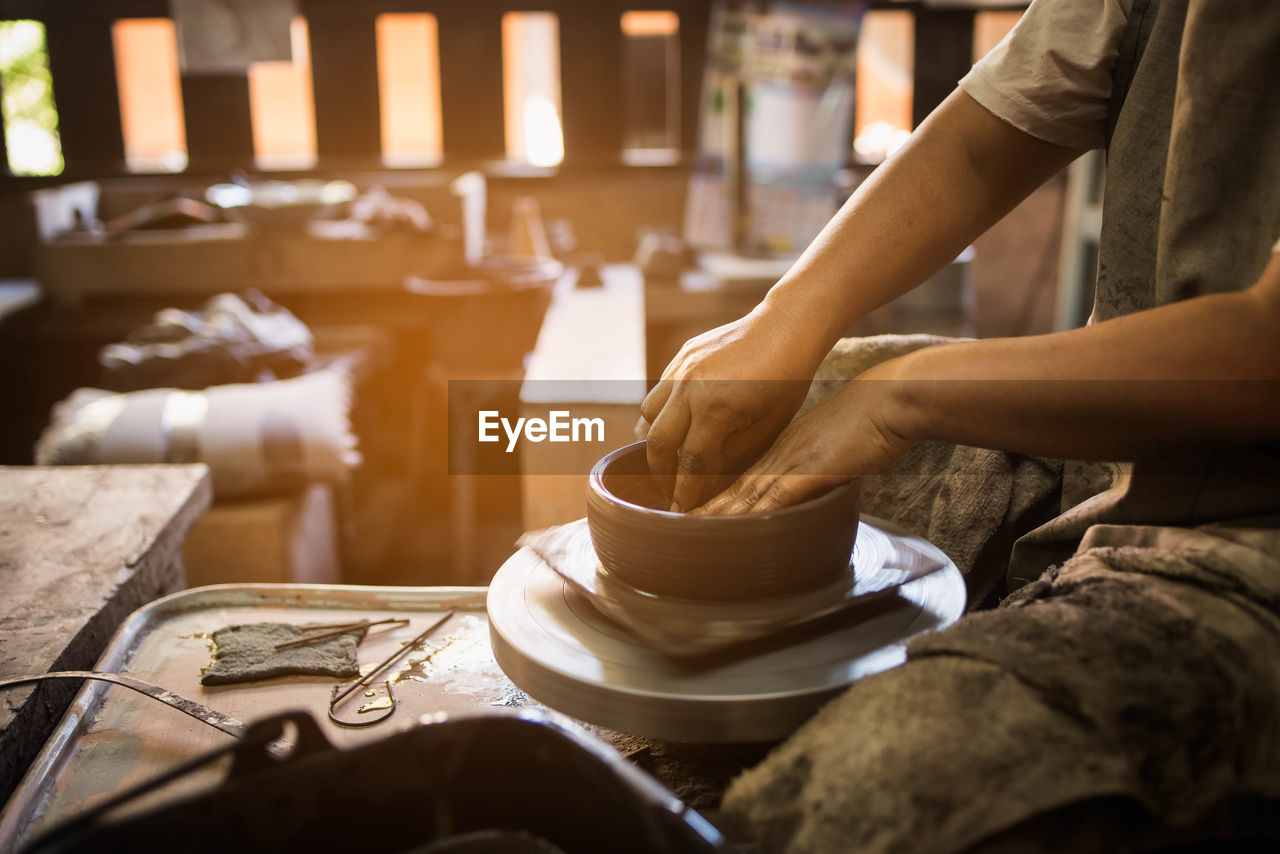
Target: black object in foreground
{"points": [[526, 780]]}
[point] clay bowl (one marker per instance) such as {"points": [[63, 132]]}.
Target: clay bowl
{"points": [[713, 558]]}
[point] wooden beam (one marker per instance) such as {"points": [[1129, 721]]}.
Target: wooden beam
{"points": [[695, 21], [592, 100], [471, 82], [943, 54], [344, 73], [219, 124], [43, 10], [4, 152], [82, 65]]}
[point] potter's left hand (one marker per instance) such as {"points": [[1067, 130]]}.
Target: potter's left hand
{"points": [[850, 434]]}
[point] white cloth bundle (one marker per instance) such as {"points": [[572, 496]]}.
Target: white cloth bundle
{"points": [[255, 438]]}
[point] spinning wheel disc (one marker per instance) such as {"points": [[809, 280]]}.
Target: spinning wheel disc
{"points": [[552, 642]]}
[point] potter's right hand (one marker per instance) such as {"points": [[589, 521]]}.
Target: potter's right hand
{"points": [[722, 401]]}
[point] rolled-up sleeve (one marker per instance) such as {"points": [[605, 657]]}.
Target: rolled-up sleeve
{"points": [[1051, 76]]}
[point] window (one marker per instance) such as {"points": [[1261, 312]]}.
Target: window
{"points": [[146, 51], [26, 100], [409, 89], [886, 51], [531, 87], [282, 109]]}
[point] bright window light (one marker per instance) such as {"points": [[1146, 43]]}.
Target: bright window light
{"points": [[409, 89], [886, 51], [282, 108], [30, 117], [155, 138], [531, 87]]}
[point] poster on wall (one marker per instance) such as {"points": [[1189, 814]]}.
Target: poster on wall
{"points": [[225, 36], [794, 63]]}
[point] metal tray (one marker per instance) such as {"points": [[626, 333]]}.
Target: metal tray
{"points": [[111, 738]]}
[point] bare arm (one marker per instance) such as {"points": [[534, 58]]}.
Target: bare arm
{"points": [[1205, 371], [1202, 370], [957, 175], [960, 172]]}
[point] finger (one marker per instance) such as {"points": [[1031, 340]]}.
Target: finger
{"points": [[789, 489], [697, 462], [740, 497], [656, 399], [665, 437]]}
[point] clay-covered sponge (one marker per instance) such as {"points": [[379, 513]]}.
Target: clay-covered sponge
{"points": [[248, 652], [717, 558]]}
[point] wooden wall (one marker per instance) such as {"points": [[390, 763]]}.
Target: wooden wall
{"points": [[345, 85], [344, 62]]}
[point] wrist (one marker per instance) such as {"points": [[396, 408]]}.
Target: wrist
{"points": [[800, 331], [904, 408]]}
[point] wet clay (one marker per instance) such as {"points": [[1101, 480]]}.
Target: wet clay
{"points": [[718, 558], [642, 489]]}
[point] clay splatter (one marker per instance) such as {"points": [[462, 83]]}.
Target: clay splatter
{"points": [[207, 637], [513, 697], [375, 705], [420, 669]]}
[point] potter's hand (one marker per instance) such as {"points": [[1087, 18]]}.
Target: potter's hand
{"points": [[850, 434], [724, 397]]}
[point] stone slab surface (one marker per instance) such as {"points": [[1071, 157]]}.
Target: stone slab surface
{"points": [[80, 549]]}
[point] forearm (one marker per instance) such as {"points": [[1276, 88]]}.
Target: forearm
{"points": [[1201, 371], [959, 173]]}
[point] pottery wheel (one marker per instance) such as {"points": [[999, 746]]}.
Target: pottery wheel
{"points": [[552, 643]]}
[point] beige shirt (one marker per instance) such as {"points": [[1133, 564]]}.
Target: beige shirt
{"points": [[1051, 76]]}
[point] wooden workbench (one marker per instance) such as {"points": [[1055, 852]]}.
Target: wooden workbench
{"points": [[80, 549], [589, 361]]}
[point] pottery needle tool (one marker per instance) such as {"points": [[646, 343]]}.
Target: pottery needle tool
{"points": [[369, 677], [336, 629]]}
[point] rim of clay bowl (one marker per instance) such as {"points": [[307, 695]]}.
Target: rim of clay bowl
{"points": [[595, 482]]}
